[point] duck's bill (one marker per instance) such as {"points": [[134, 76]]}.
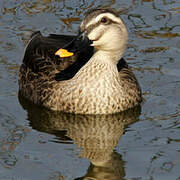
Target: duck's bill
{"points": [[64, 53], [75, 46]]}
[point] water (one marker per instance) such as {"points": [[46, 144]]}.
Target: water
{"points": [[143, 144]]}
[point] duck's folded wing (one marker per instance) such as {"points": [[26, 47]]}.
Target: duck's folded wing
{"points": [[40, 56], [40, 52]]}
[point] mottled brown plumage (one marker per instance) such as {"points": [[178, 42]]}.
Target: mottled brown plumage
{"points": [[98, 82]]}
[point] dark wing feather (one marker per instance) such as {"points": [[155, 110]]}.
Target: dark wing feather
{"points": [[40, 52], [122, 64], [40, 56], [69, 72]]}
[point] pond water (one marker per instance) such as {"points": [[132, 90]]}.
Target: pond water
{"points": [[141, 144]]}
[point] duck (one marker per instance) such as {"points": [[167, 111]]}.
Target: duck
{"points": [[93, 79]]}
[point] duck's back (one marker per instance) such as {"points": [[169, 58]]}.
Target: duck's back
{"points": [[41, 69]]}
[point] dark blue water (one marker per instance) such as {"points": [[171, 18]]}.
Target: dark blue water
{"points": [[143, 144]]}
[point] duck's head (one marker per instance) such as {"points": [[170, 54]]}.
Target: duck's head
{"points": [[104, 30]]}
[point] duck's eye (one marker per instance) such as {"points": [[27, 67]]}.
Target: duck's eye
{"points": [[104, 20]]}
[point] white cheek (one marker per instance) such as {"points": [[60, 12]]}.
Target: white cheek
{"points": [[113, 39], [96, 43], [92, 35], [95, 33]]}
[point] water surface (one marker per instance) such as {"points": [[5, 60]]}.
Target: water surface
{"points": [[142, 144]]}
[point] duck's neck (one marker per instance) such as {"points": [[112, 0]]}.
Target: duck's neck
{"points": [[100, 65], [107, 57]]}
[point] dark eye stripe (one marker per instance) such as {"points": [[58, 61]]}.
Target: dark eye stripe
{"points": [[93, 26]]}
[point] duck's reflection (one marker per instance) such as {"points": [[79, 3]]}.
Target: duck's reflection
{"points": [[110, 170], [95, 135]]}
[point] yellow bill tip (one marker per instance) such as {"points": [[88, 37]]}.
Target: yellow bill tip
{"points": [[64, 53]]}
